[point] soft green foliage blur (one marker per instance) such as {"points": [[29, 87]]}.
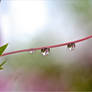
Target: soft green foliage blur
{"points": [[2, 48], [2, 64]]}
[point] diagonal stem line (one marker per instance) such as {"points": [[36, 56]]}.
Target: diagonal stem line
{"points": [[51, 46]]}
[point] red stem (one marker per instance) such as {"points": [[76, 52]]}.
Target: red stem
{"points": [[51, 46]]}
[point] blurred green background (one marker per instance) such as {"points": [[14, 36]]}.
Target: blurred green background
{"points": [[34, 23]]}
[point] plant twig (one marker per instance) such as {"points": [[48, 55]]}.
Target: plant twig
{"points": [[51, 46]]}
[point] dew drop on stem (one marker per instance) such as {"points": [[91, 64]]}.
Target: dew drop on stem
{"points": [[31, 52], [71, 46], [45, 51]]}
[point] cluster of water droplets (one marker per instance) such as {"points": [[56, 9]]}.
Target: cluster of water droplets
{"points": [[46, 51]]}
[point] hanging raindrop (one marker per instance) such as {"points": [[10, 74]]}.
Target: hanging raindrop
{"points": [[45, 51], [71, 46], [31, 52]]}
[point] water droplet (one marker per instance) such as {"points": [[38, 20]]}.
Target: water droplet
{"points": [[31, 52], [45, 51], [71, 46]]}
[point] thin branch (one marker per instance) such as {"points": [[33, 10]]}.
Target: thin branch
{"points": [[51, 46]]}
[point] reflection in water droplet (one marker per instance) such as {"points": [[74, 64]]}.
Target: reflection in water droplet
{"points": [[71, 46], [45, 51]]}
